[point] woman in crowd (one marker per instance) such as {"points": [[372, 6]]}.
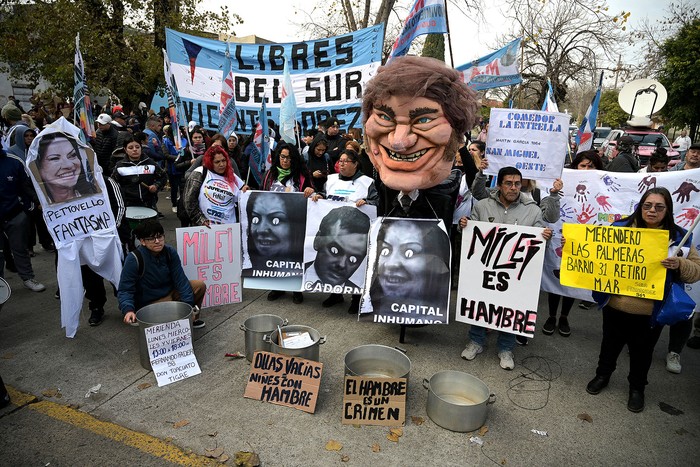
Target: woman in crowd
{"points": [[627, 320], [235, 153], [139, 177], [63, 172], [319, 163], [175, 171], [212, 190], [287, 175], [350, 184]]}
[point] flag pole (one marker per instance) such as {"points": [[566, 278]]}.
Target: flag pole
{"points": [[449, 40]]}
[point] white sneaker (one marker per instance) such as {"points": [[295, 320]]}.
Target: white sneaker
{"points": [[34, 286], [673, 362], [174, 208], [472, 350], [507, 362]]}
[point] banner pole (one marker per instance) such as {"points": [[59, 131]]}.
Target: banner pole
{"points": [[686, 236], [449, 40]]}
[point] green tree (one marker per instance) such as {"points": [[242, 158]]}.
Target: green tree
{"points": [[434, 46], [120, 49], [680, 75], [609, 111]]}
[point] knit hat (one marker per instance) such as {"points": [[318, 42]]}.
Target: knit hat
{"points": [[11, 113]]}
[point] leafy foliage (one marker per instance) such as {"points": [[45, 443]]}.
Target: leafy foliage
{"points": [[434, 46], [609, 111]]}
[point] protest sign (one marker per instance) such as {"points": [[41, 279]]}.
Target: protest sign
{"points": [[408, 272], [170, 351], [213, 255], [532, 141], [284, 380], [335, 248], [499, 278], [597, 197], [374, 401], [328, 76], [616, 260], [273, 225]]}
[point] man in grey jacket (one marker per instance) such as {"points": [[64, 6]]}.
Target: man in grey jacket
{"points": [[507, 205]]}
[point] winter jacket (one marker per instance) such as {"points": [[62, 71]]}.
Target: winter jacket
{"points": [[18, 148], [134, 178], [523, 211], [15, 187], [105, 143]]}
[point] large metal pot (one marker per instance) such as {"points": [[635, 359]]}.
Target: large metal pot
{"points": [[457, 401], [256, 327], [158, 313], [310, 352], [377, 361]]}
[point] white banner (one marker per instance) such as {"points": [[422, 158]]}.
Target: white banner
{"points": [[335, 250], [532, 141], [499, 278], [213, 255], [170, 351]]}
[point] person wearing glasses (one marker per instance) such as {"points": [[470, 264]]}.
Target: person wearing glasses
{"points": [[627, 320], [153, 273], [348, 185], [506, 205]]}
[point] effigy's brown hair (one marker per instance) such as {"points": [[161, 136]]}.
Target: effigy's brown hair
{"points": [[423, 77]]}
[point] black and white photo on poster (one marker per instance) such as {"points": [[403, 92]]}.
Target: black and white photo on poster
{"points": [[408, 272], [335, 249], [272, 233]]}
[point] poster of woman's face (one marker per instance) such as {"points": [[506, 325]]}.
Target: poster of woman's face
{"points": [[273, 226], [408, 274], [63, 169], [336, 246]]}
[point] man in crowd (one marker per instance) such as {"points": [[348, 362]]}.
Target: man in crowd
{"points": [[504, 206], [692, 158], [626, 158], [683, 142], [105, 141], [154, 127], [153, 273], [119, 122]]}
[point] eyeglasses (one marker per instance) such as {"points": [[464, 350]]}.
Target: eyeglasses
{"points": [[155, 238], [657, 207], [285, 158], [512, 184], [344, 161]]}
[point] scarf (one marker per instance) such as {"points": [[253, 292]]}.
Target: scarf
{"points": [[283, 173]]}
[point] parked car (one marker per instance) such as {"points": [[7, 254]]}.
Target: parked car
{"points": [[646, 139], [599, 135]]}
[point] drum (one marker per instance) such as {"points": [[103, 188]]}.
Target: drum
{"points": [[136, 215]]}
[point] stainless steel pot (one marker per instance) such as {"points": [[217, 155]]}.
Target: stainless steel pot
{"points": [[310, 352], [377, 361], [256, 327], [457, 401], [158, 313]]}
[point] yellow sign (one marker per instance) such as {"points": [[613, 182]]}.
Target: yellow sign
{"points": [[616, 260]]}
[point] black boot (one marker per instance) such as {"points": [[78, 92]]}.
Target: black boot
{"points": [[597, 384], [635, 403]]}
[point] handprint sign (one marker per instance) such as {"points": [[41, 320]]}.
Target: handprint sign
{"points": [[611, 183], [684, 192], [581, 193], [603, 202], [687, 217], [647, 182], [566, 212], [586, 214]]}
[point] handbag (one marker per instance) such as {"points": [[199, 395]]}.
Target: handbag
{"points": [[677, 306]]}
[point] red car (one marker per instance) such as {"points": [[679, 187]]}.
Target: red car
{"points": [[647, 140]]}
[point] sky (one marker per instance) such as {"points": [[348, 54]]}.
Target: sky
{"points": [[276, 20]]}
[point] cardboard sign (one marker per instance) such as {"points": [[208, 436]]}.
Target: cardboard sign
{"points": [[532, 141], [284, 380], [499, 279], [213, 255], [374, 401], [616, 260], [170, 351]]}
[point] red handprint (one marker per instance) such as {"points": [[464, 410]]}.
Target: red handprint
{"points": [[586, 214], [603, 202], [687, 217]]}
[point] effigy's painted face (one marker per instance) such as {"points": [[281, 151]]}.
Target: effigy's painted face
{"points": [[407, 139]]}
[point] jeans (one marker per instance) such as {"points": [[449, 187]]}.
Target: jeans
{"points": [[506, 341]]}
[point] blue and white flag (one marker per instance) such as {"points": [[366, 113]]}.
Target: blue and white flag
{"points": [[227, 106], [426, 17], [261, 157], [495, 70], [584, 138], [173, 101], [81, 96], [549, 104], [288, 107]]}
